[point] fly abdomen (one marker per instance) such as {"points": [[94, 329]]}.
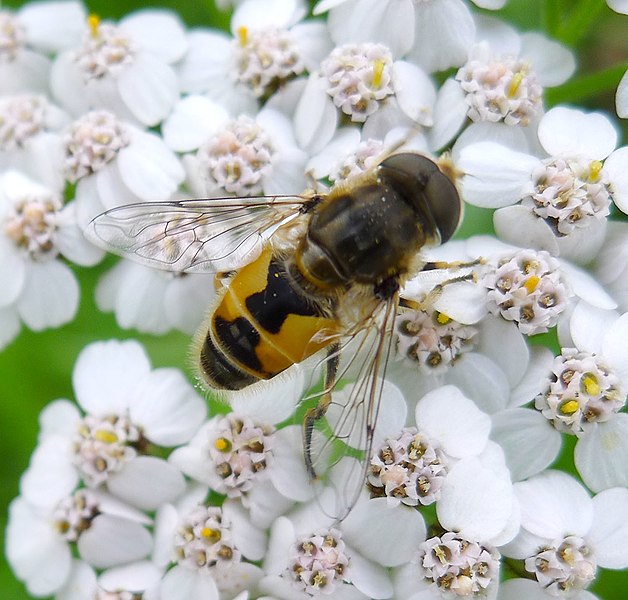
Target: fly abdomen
{"points": [[262, 326]]}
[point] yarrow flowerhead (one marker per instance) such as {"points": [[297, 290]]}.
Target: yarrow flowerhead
{"points": [[433, 340], [569, 193], [527, 289], [318, 563], [564, 568], [459, 567], [265, 58], [500, 89], [203, 540], [582, 390], [93, 141], [410, 469], [358, 78], [237, 158]]}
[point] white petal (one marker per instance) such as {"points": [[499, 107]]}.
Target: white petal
{"points": [[139, 301], [398, 533], [613, 346], [167, 407], [9, 326], [371, 579], [342, 144], [588, 325], [495, 176], [519, 225], [166, 522], [105, 375], [496, 36], [391, 415], [250, 540], [482, 381], [444, 31], [29, 72], [414, 91], [601, 454], [113, 541], [159, 31], [312, 42], [462, 301], [147, 482], [529, 442], [50, 295], [181, 583], [52, 26], [60, 417], [271, 401], [325, 5], [50, 476], [288, 173], [540, 366], [149, 88], [454, 421], [288, 473], [450, 113], [193, 120], [282, 536], [71, 242], [518, 589], [609, 532], [583, 245], [616, 169], [498, 133], [315, 117], [35, 551], [586, 287], [475, 501], [138, 576], [80, 584], [621, 98], [66, 84], [206, 62], [387, 23], [554, 504], [552, 62], [149, 168], [260, 14], [502, 342], [569, 131], [12, 272], [186, 301]]}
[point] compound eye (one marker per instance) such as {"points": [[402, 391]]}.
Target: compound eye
{"points": [[444, 203]]}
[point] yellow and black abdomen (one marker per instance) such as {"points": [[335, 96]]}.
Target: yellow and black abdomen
{"points": [[262, 326]]}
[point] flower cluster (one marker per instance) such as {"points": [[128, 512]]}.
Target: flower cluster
{"points": [[444, 409]]}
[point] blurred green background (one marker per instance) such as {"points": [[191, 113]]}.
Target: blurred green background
{"points": [[36, 368]]}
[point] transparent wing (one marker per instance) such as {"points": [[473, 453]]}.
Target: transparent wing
{"points": [[204, 235], [341, 448]]}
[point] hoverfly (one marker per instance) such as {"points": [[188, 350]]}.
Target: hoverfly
{"points": [[300, 274]]}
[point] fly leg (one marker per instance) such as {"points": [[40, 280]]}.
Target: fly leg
{"points": [[318, 412]]}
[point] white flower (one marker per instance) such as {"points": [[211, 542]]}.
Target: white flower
{"points": [[564, 199], [501, 84], [30, 139], [139, 577], [105, 531], [611, 262], [566, 535], [269, 47], [349, 153], [125, 68], [155, 301], [364, 82], [435, 34], [450, 566], [245, 156], [127, 407], [28, 35], [209, 547], [309, 554], [586, 391], [243, 456], [114, 163], [35, 231]]}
